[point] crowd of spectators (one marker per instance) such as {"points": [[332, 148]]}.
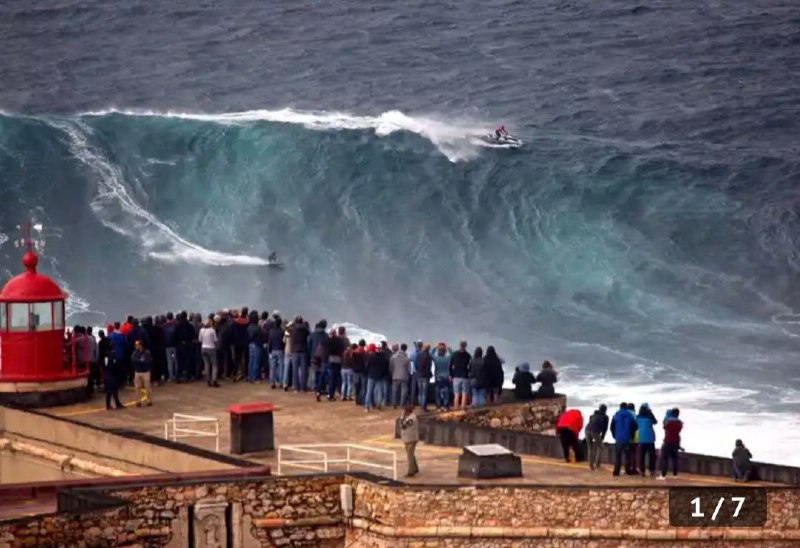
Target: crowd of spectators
{"points": [[244, 345]]}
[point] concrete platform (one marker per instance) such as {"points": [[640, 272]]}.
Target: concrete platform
{"points": [[300, 419]]}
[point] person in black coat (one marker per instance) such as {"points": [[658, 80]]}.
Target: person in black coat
{"points": [[424, 364], [158, 347], [276, 350], [479, 379], [184, 337], [108, 365], [495, 374], [241, 340], [523, 381], [547, 378], [225, 335], [377, 370], [298, 338]]}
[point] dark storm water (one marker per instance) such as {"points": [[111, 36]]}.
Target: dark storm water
{"points": [[646, 236]]}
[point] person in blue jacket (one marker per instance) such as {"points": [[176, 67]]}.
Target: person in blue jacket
{"points": [[441, 371], [645, 422], [623, 426]]}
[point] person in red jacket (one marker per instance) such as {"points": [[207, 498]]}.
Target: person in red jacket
{"points": [[568, 428], [672, 443]]}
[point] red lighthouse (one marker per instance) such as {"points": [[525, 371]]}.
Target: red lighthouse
{"points": [[35, 368]]}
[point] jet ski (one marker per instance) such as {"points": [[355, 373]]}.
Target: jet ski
{"points": [[506, 140]]}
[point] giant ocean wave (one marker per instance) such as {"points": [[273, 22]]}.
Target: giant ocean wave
{"points": [[633, 264]]}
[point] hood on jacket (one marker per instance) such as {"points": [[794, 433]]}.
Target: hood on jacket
{"points": [[525, 366]]}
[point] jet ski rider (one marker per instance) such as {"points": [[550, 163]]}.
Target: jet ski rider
{"points": [[500, 132], [273, 257]]}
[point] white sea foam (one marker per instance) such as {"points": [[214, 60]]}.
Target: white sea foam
{"points": [[3, 239], [75, 304], [355, 333], [714, 415], [453, 139], [118, 210]]}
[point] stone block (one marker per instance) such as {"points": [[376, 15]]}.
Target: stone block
{"points": [[488, 462]]}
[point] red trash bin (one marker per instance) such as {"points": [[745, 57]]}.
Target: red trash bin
{"points": [[252, 428]]}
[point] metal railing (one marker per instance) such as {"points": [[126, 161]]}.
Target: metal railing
{"points": [[174, 428], [323, 461]]}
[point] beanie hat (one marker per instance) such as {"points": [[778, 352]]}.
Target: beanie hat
{"points": [[110, 328], [371, 347]]}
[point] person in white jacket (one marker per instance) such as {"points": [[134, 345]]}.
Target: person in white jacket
{"points": [[208, 350]]}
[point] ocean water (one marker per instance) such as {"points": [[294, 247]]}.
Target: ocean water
{"points": [[645, 239]]}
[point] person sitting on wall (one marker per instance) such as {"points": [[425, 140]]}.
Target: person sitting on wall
{"points": [[568, 428], [742, 465], [546, 378], [523, 380]]}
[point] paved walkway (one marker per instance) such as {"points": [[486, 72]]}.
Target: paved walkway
{"points": [[300, 419]]}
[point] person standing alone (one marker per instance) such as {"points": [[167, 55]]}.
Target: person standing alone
{"points": [[409, 434], [142, 362]]}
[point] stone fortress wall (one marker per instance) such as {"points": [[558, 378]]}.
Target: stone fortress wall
{"points": [[241, 508], [307, 511]]}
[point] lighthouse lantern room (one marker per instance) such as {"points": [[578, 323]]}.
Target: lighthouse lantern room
{"points": [[37, 367]]}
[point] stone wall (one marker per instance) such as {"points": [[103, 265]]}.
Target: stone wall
{"points": [[556, 516], [288, 511], [306, 511], [535, 416], [366, 539]]}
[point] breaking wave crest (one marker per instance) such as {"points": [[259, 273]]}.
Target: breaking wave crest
{"points": [[118, 210], [456, 140]]}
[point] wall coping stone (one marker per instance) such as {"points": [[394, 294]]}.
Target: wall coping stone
{"points": [[467, 531], [279, 523], [140, 436]]}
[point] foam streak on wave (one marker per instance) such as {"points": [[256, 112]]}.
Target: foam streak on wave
{"points": [[119, 211], [456, 141]]}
